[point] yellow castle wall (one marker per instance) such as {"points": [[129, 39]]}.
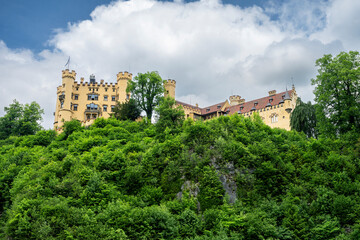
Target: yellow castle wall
{"points": [[82, 89], [283, 116]]}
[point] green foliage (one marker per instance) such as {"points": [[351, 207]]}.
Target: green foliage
{"points": [[147, 90], [303, 118], [128, 110], [20, 120], [71, 126], [337, 93], [211, 190], [169, 116], [227, 178]]}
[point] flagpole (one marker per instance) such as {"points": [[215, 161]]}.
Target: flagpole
{"points": [[68, 63]]}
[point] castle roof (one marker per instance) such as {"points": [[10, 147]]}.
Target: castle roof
{"points": [[187, 105], [245, 107], [260, 103], [213, 108], [206, 110]]}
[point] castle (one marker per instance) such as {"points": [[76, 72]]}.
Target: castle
{"points": [[86, 101], [273, 109]]}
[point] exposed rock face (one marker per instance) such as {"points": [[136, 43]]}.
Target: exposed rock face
{"points": [[191, 187], [227, 175]]}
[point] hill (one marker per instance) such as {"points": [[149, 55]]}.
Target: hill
{"points": [[227, 178]]}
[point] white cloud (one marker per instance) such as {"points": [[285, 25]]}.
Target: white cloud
{"points": [[212, 50], [343, 21]]}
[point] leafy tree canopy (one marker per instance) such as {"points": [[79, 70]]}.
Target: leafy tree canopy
{"points": [[147, 89], [169, 116], [20, 120], [303, 118], [231, 177], [337, 93], [128, 110]]}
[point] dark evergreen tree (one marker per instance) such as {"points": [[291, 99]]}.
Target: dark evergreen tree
{"points": [[128, 110], [303, 118]]}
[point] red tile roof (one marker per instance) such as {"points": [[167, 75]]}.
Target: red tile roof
{"points": [[261, 103], [247, 106], [187, 105], [206, 110], [212, 108]]}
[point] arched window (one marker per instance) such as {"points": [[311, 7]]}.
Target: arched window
{"points": [[274, 118], [92, 106], [93, 97]]}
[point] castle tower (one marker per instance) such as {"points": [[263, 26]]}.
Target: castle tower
{"points": [[122, 79], [235, 100], [170, 86], [63, 102], [287, 102]]}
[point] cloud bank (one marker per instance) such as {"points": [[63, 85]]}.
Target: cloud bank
{"points": [[211, 49]]}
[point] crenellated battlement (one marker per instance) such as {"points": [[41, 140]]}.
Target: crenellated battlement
{"points": [[67, 74], [124, 76], [170, 82], [272, 92], [234, 97], [234, 100], [170, 86]]}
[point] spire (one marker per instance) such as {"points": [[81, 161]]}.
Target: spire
{"points": [[287, 96]]}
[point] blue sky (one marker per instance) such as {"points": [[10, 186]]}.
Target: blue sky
{"points": [[212, 48]]}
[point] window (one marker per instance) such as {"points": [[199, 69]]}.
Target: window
{"points": [[113, 89], [113, 98], [93, 97], [88, 116], [90, 89], [105, 108], [105, 89], [76, 97], [92, 106], [77, 89], [208, 110], [112, 108], [61, 104], [105, 97], [75, 107], [127, 96], [274, 118]]}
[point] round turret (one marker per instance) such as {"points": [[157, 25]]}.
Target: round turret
{"points": [[235, 100], [170, 86]]}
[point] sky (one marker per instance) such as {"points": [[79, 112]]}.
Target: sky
{"points": [[212, 48]]}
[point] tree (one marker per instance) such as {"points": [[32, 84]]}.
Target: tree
{"points": [[303, 118], [211, 189], [128, 110], [71, 126], [169, 116], [20, 120], [337, 93], [147, 89]]}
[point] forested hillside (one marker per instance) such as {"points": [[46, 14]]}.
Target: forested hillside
{"points": [[227, 178]]}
